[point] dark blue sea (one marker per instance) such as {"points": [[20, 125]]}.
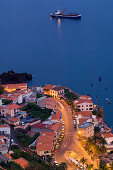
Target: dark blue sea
{"points": [[67, 52]]}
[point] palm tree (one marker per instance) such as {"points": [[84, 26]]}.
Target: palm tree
{"points": [[83, 161]]}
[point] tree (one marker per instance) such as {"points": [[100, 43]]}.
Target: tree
{"points": [[1, 90], [89, 167], [62, 166], [83, 161], [96, 130], [102, 165]]}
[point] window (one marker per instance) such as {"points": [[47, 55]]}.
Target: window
{"points": [[86, 105], [3, 111], [82, 106], [90, 105], [90, 108]]}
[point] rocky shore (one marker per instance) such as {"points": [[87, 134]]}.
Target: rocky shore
{"points": [[13, 78]]}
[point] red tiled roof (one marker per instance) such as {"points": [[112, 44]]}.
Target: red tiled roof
{"points": [[14, 119], [7, 156], [22, 162], [15, 86], [4, 126], [39, 125], [48, 87], [85, 113], [44, 146], [1, 142], [80, 101], [57, 88], [21, 106], [56, 116], [85, 97], [11, 106], [45, 141], [107, 135], [82, 120], [55, 127]]}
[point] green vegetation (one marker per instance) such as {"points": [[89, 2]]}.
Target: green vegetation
{"points": [[95, 146], [5, 101], [83, 161], [1, 90], [96, 130], [99, 112], [39, 95], [34, 160], [62, 166], [102, 165], [25, 140], [36, 112], [11, 166], [70, 96]]}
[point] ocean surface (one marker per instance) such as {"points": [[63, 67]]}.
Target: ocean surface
{"points": [[67, 52]]}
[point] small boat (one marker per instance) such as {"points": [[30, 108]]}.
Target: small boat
{"points": [[100, 78], [61, 14], [107, 99], [109, 102]]}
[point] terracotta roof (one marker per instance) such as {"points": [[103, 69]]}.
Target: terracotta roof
{"points": [[85, 97], [1, 142], [7, 156], [1, 126], [48, 87], [3, 137], [56, 116], [80, 101], [57, 88], [107, 135], [11, 106], [82, 120], [55, 127], [44, 146], [39, 125], [15, 86], [14, 119], [45, 141], [21, 106], [22, 162], [85, 113]]}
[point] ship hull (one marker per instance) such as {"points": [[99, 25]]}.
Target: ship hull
{"points": [[66, 16]]}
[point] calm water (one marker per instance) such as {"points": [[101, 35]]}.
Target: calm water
{"points": [[68, 52]]}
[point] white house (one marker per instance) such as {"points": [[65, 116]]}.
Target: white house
{"points": [[84, 104], [108, 137], [5, 129]]}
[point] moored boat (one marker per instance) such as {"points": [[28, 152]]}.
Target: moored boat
{"points": [[61, 14]]}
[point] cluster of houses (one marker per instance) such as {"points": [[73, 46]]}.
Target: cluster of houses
{"points": [[20, 95], [17, 94], [85, 122], [51, 129]]}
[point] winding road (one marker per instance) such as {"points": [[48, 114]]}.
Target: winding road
{"points": [[70, 143]]}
